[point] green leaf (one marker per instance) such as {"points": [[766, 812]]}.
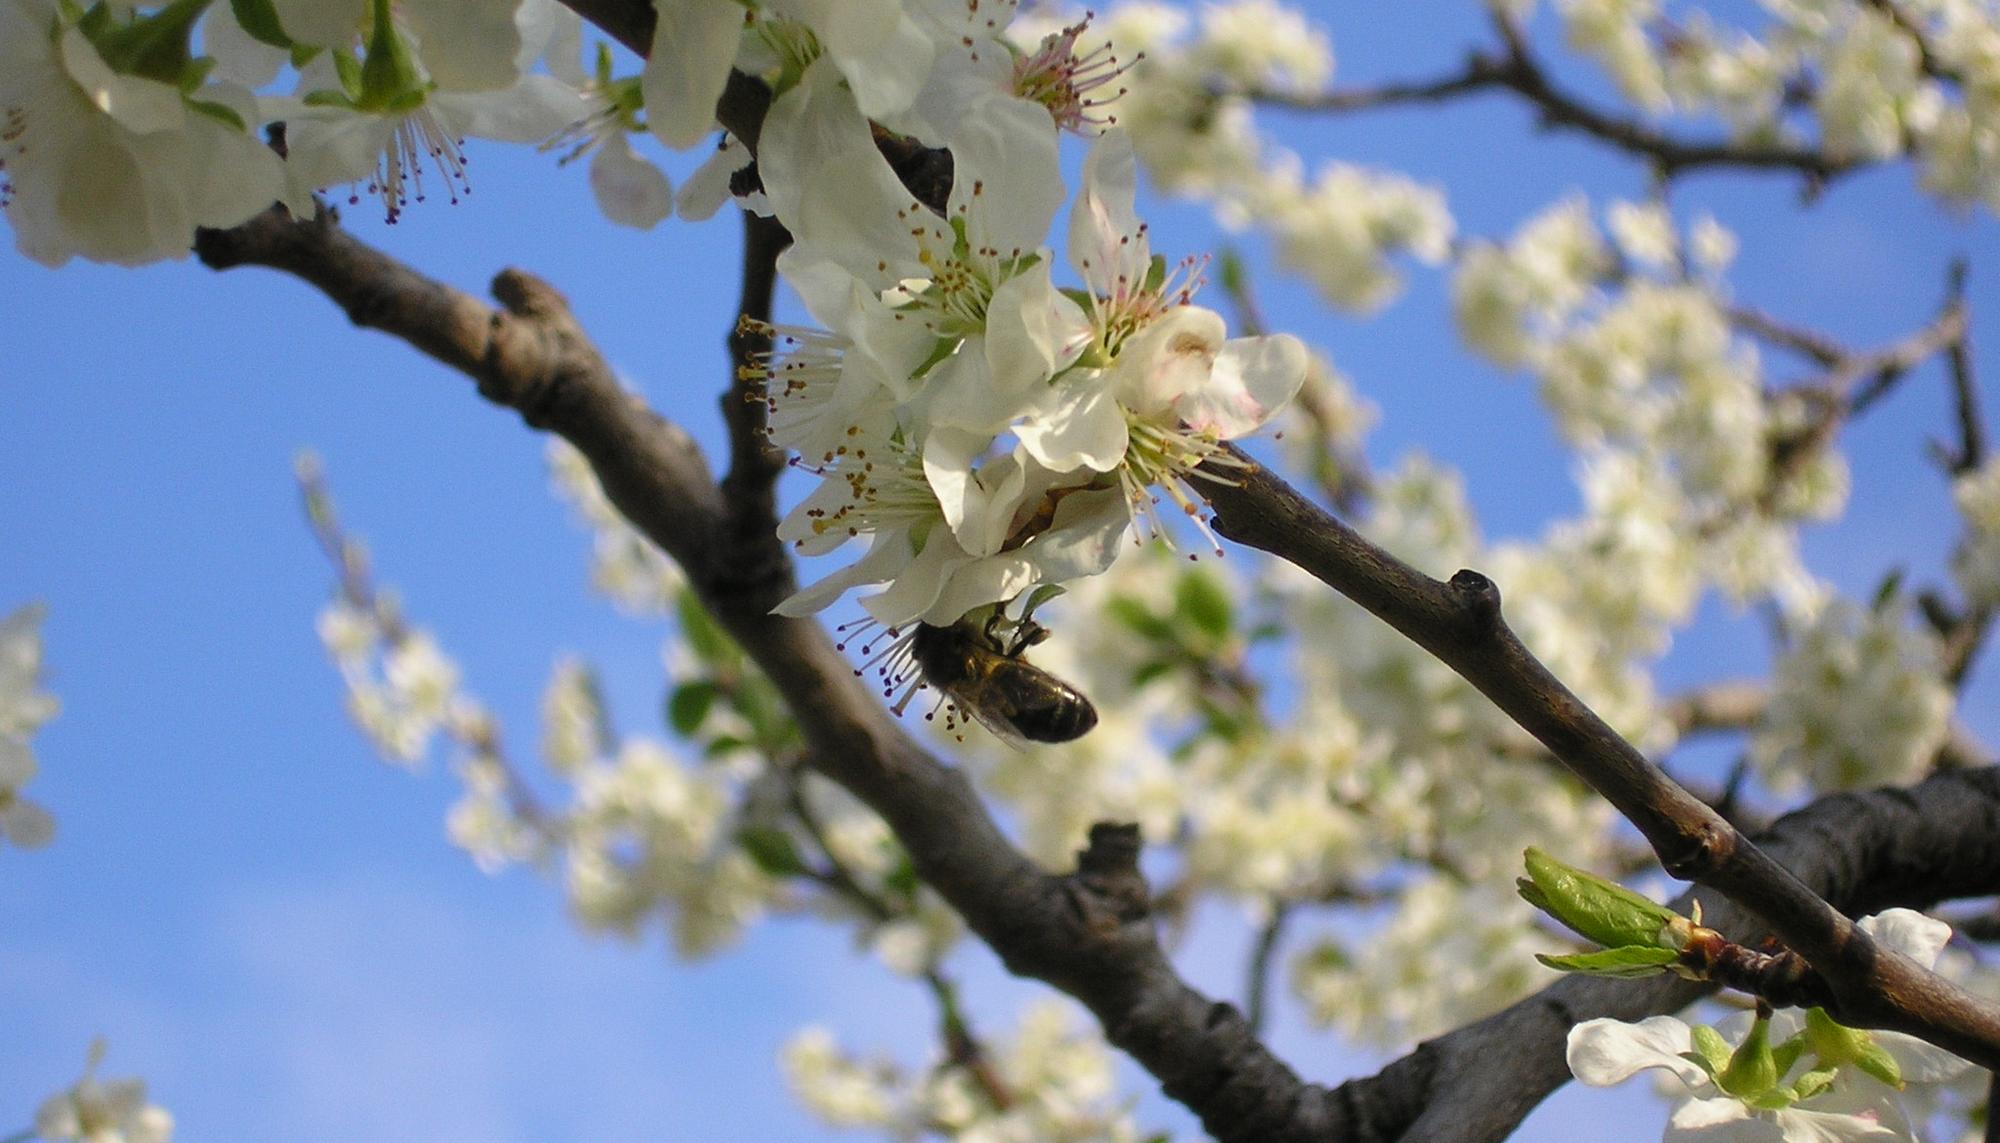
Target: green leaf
{"points": [[688, 706], [724, 744], [259, 18], [1039, 596], [1600, 910], [348, 68], [945, 347], [705, 637], [1200, 597], [772, 849], [1229, 269], [1887, 591], [1788, 1053], [1835, 1044], [1710, 1052], [1136, 616], [1628, 963], [902, 878], [1147, 672]]}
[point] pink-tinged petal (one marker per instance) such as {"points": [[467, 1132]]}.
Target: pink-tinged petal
{"points": [[694, 46], [1172, 356], [1921, 1062], [1106, 242], [1253, 377]]}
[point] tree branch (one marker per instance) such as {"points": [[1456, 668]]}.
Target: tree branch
{"points": [[1461, 623], [749, 489], [1090, 934], [1515, 69], [1864, 852]]}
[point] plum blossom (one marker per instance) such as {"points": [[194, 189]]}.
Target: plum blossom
{"points": [[23, 708], [382, 121], [986, 431], [630, 190], [103, 155], [1845, 1093], [1159, 383], [876, 47], [1859, 700], [98, 1111]]}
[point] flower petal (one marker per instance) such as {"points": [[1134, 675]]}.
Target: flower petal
{"points": [[1078, 425], [694, 46], [1253, 377], [630, 190], [1909, 932], [1604, 1052]]}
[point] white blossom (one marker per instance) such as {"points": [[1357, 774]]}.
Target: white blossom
{"points": [[24, 707], [103, 1111], [1857, 701], [116, 167], [1976, 565], [1854, 1106]]}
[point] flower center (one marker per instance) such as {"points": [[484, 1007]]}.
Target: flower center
{"points": [[399, 173], [886, 487], [1072, 86]]}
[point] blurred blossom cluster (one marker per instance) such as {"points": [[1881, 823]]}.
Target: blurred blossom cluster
{"points": [[24, 707], [1858, 700], [102, 1111], [1051, 1082], [1188, 109]]}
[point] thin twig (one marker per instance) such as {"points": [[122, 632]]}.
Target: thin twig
{"points": [[1515, 69], [1258, 986]]}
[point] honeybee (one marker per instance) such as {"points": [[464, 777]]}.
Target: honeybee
{"points": [[990, 678]]}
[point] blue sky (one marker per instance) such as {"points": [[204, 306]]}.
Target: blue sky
{"points": [[270, 926]]}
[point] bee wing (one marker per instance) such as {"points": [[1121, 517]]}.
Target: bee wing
{"points": [[996, 723]]}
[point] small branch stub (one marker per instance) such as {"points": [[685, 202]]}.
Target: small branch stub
{"points": [[1480, 599]]}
